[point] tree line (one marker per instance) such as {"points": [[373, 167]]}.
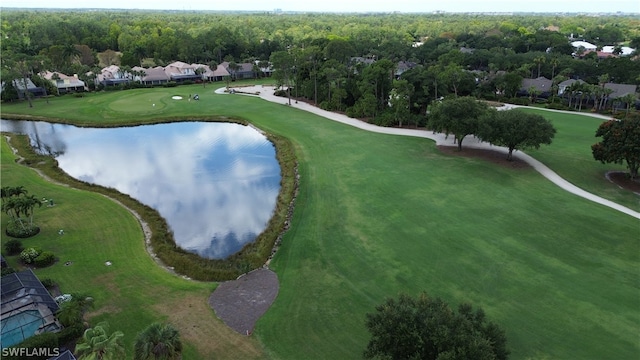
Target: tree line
{"points": [[446, 54]]}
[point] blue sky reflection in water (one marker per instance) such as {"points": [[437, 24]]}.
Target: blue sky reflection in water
{"points": [[215, 183]]}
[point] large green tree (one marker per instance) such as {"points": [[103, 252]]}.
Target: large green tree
{"points": [[515, 129], [282, 63], [158, 342], [620, 143], [458, 116], [427, 328]]}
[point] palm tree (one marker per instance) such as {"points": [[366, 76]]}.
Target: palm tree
{"points": [[72, 312], [606, 92], [158, 342], [199, 71], [70, 52], [98, 344], [533, 93], [234, 67], [602, 81], [27, 203], [140, 53], [555, 61], [629, 99], [539, 61]]}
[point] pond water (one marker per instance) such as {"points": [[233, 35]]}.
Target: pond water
{"points": [[216, 184]]}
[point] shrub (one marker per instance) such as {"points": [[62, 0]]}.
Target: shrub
{"points": [[16, 230], [13, 247], [7, 271], [28, 255], [45, 259], [70, 334], [48, 283], [557, 106], [519, 101]]}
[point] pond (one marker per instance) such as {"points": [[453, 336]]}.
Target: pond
{"points": [[216, 184]]}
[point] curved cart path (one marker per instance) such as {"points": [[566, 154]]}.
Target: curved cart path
{"points": [[267, 93]]}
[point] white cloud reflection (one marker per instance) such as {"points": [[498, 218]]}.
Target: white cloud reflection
{"points": [[215, 183]]}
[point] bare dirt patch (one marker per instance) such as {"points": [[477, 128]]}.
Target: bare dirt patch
{"points": [[623, 181], [240, 303], [197, 325], [492, 156]]}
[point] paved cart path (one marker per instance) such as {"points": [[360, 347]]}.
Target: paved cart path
{"points": [[268, 93]]}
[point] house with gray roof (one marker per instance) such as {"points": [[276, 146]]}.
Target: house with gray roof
{"points": [[563, 86], [155, 76], [216, 75], [21, 88], [403, 66], [65, 83], [27, 308], [541, 84], [620, 90], [244, 71]]}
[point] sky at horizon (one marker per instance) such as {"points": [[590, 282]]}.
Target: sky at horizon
{"points": [[405, 6]]}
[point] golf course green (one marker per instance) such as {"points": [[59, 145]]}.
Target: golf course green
{"points": [[376, 215]]}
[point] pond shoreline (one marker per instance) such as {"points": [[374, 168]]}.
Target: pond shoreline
{"points": [[159, 241]]}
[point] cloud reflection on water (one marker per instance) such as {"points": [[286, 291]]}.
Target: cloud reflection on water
{"points": [[215, 183]]}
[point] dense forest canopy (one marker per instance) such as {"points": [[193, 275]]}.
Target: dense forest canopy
{"points": [[200, 35]]}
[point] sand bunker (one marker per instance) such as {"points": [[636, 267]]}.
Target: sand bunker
{"points": [[176, 97]]}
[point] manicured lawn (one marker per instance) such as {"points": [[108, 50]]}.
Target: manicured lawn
{"points": [[376, 215], [570, 156]]}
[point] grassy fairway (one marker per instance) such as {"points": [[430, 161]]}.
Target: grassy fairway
{"points": [[378, 215], [570, 156]]}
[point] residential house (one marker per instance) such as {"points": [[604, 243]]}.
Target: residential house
{"points": [[65, 83], [625, 50], [541, 84], [599, 54], [21, 89], [112, 75], [179, 71], [155, 76], [244, 71], [137, 73], [620, 91], [583, 44], [563, 86], [268, 70], [403, 66], [361, 60], [27, 308], [216, 75]]}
